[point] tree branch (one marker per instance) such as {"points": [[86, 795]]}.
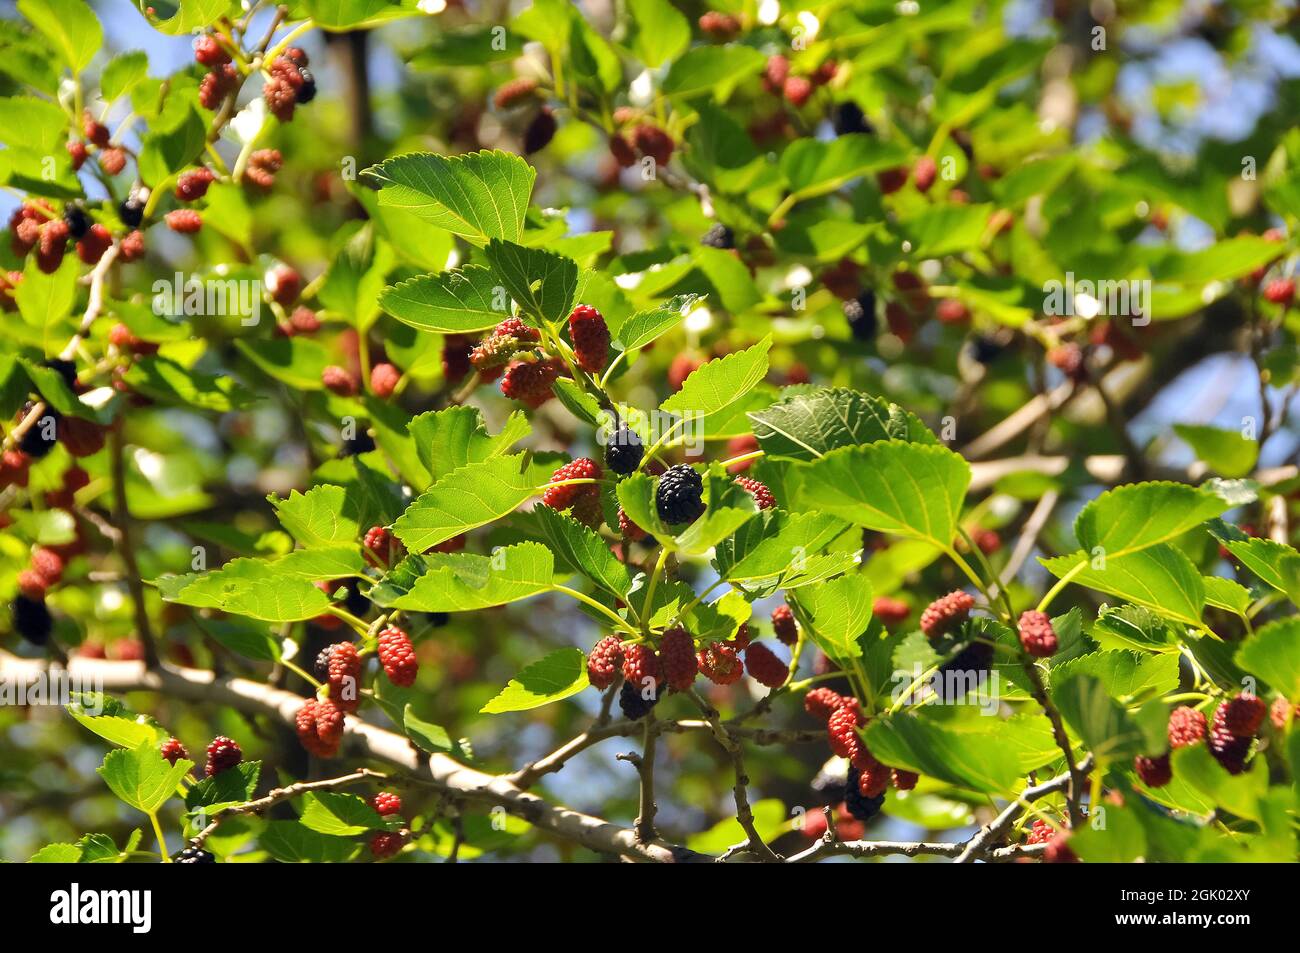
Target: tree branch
{"points": [[280, 794], [992, 832]]}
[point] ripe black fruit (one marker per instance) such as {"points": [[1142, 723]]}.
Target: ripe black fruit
{"points": [[540, 131], [860, 312], [633, 705], [624, 451], [719, 236], [77, 220], [679, 497], [131, 212], [195, 855], [848, 118], [863, 808], [32, 619], [307, 91], [361, 443], [985, 349]]}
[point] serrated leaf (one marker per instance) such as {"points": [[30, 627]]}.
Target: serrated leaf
{"points": [[905, 489], [662, 33], [1226, 452], [233, 786], [71, 27], [428, 736], [716, 385], [122, 73], [810, 425], [448, 439], [1131, 518], [249, 587], [338, 814], [323, 516], [468, 497], [813, 167], [56, 854], [126, 732], [541, 282], [774, 544], [141, 777], [583, 549], [1273, 654], [459, 301], [558, 675], [1101, 722], [1275, 563], [1159, 577], [327, 562], [478, 196], [291, 842], [838, 612], [1226, 594], [711, 69], [460, 582], [645, 326], [1127, 676]]}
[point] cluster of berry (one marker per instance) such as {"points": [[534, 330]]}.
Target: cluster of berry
{"points": [[868, 777]]}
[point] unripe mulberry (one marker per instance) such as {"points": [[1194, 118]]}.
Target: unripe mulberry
{"points": [[262, 167], [377, 540], [223, 754], [184, 220], [1186, 727], [53, 244], [677, 655], [172, 750], [765, 666], [796, 90], [604, 662], [320, 725], [775, 73], [285, 284], [889, 610], [193, 184], [217, 85], [654, 142], [1037, 637], [951, 311], [590, 337], [842, 733], [1280, 291], [386, 803], [132, 246], [515, 92], [339, 381], [77, 152], [344, 676], [48, 564], [1242, 715], [1281, 712], [383, 380], [924, 173], [719, 27], [397, 655], [720, 664], [1154, 772], [95, 131], [92, 245], [629, 529], [873, 778], [531, 382], [1040, 833], [386, 844], [946, 614], [904, 780], [640, 662], [1058, 850], [112, 160], [32, 584], [822, 702], [759, 491], [783, 623], [564, 497], [209, 52]]}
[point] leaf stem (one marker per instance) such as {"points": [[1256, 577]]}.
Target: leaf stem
{"points": [[1061, 584], [605, 610], [162, 841]]}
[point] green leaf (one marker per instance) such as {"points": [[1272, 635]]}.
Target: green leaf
{"points": [[170, 383], [813, 167], [810, 425], [661, 33], [906, 489], [232, 786], [322, 516], [1275, 563], [714, 69], [954, 745], [456, 436], [122, 73], [459, 301], [636, 495], [56, 854], [479, 196], [1131, 627], [428, 736], [327, 562], [1238, 794], [1273, 653], [118, 729], [249, 587], [645, 326], [1226, 452], [71, 27], [718, 384], [1103, 724], [773, 544], [355, 277], [291, 842], [1131, 518], [541, 282], [169, 148], [339, 814], [1127, 676], [175, 17], [584, 549], [838, 613], [141, 777], [297, 361], [242, 638], [558, 675], [1159, 577], [770, 818], [946, 229], [35, 124], [340, 15], [468, 497], [1223, 261], [1226, 594], [44, 300], [461, 582]]}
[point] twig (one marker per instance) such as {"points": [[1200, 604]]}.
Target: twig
{"points": [[278, 795], [122, 520], [992, 832], [1028, 537]]}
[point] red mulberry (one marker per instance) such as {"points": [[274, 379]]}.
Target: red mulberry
{"points": [[641, 662], [765, 666], [889, 610], [223, 754], [904, 780], [184, 220], [319, 725], [787, 630], [1154, 772], [386, 844], [344, 676], [677, 654], [563, 497], [590, 337], [821, 703], [531, 382], [173, 750], [386, 803], [397, 656], [604, 662], [946, 613], [1037, 636], [720, 664], [759, 491], [1186, 727]]}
